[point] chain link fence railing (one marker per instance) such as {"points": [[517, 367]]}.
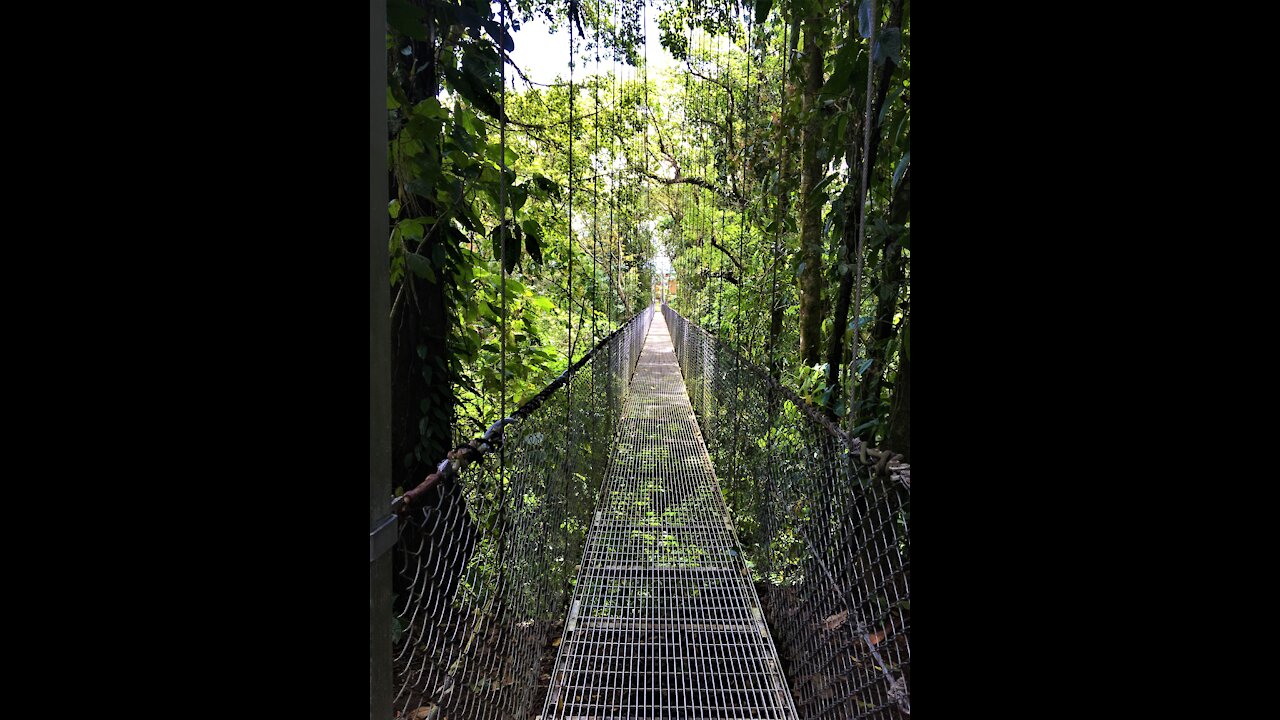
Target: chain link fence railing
{"points": [[489, 545], [824, 521]]}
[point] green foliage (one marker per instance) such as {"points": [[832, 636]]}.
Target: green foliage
{"points": [[727, 217], [453, 180]]}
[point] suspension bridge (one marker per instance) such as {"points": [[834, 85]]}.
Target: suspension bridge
{"points": [[599, 570], [664, 619], [666, 530]]}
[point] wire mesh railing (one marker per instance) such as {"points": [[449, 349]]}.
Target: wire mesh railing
{"points": [[487, 551], [824, 522], [665, 622]]}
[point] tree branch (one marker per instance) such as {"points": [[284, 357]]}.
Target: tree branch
{"points": [[725, 250], [729, 194], [726, 276], [712, 80]]}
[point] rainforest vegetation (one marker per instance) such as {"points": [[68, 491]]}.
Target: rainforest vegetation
{"points": [[770, 164]]}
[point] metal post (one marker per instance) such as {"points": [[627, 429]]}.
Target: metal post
{"points": [[379, 367]]}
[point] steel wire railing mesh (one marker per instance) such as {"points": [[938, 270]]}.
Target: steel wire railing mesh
{"points": [[826, 534], [484, 568]]}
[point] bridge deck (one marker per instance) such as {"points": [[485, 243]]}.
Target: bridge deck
{"points": [[664, 621]]}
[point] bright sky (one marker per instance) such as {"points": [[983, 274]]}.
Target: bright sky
{"points": [[543, 55], [544, 58]]}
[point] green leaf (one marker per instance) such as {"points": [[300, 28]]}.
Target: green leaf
{"points": [[420, 267], [516, 195], [850, 71], [495, 31], [431, 108], [474, 94], [862, 366], [412, 228], [888, 45], [762, 10], [406, 19], [547, 185], [392, 103], [823, 185], [494, 153], [902, 166], [512, 244], [393, 207], [888, 103], [533, 239], [515, 287], [532, 246]]}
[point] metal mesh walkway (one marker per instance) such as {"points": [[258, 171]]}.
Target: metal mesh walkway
{"points": [[664, 621]]}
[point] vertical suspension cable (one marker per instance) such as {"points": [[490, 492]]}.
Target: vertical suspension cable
{"points": [[751, 48], [723, 176], [502, 290], [566, 474], [777, 213], [742, 184], [863, 196], [626, 163], [595, 190], [569, 290], [696, 192], [686, 114], [647, 208], [742, 270], [613, 185], [708, 162]]}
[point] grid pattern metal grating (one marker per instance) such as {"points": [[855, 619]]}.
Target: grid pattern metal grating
{"points": [[664, 620]]}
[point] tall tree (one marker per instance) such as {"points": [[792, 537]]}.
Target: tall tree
{"points": [[888, 284], [899, 437], [810, 273], [856, 192], [421, 411]]}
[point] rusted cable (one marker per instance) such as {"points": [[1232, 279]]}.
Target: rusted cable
{"points": [[474, 451]]}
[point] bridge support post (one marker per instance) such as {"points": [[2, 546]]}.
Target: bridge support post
{"points": [[379, 368]]}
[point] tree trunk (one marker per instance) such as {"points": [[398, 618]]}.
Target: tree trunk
{"points": [[836, 345], [782, 186], [899, 438], [887, 290], [421, 410], [811, 310]]}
